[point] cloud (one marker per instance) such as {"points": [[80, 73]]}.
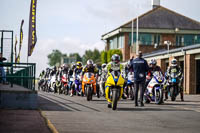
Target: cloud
{"points": [[66, 45]]}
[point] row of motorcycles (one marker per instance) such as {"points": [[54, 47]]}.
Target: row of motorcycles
{"points": [[117, 84], [69, 85]]}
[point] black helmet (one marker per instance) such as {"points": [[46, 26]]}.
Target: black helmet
{"points": [[43, 71], [115, 58]]}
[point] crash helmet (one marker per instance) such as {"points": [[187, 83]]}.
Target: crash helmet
{"points": [[174, 62], [103, 65], [128, 64], [90, 63], [79, 64], [54, 68], [115, 58], [73, 66], [43, 71], [153, 62]]}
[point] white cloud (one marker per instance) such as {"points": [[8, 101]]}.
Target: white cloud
{"points": [[66, 45]]}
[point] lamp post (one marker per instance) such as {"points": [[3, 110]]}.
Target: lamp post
{"points": [[168, 43]]}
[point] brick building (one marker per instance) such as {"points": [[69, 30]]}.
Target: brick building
{"points": [[188, 58], [155, 27]]}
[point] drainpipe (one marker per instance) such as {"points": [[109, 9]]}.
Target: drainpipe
{"points": [[184, 53]]}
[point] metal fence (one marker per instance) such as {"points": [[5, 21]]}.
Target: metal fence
{"points": [[22, 74]]}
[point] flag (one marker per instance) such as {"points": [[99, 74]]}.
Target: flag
{"points": [[32, 38], [16, 48], [20, 41]]}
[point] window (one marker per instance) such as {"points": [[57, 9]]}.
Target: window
{"points": [[188, 40], [197, 39], [115, 44], [156, 39], [121, 41], [130, 40], [111, 44], [179, 40], [144, 38]]}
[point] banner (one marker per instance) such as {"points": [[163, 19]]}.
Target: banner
{"points": [[16, 48], [20, 41], [32, 38]]}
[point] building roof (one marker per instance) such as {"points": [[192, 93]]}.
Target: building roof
{"points": [[163, 18], [163, 52]]}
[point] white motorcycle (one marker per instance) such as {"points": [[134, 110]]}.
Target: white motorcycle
{"points": [[154, 91], [52, 86]]}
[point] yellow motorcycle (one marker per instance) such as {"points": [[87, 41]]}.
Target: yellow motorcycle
{"points": [[114, 88]]}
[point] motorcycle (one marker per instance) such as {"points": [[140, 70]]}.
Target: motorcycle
{"points": [[102, 83], [70, 84], [88, 84], [129, 88], [78, 85], [59, 88], [64, 82], [154, 91], [173, 88], [52, 84], [114, 88]]}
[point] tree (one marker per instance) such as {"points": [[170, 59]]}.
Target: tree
{"points": [[103, 57], [54, 57], [76, 55], [94, 55]]}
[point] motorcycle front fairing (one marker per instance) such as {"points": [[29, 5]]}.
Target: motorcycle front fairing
{"points": [[114, 81], [156, 83]]}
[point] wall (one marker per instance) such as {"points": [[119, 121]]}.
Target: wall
{"points": [[126, 48], [168, 37], [190, 74]]}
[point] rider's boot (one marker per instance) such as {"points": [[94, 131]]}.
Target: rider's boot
{"points": [[166, 96], [109, 105], [182, 99]]}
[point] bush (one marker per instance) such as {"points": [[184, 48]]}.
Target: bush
{"points": [[103, 57]]}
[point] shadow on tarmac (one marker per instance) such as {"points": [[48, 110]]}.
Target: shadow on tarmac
{"points": [[47, 105], [148, 109]]}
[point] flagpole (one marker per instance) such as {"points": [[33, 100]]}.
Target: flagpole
{"points": [[137, 38], [132, 33]]}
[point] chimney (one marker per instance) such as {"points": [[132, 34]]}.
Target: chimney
{"points": [[155, 3]]}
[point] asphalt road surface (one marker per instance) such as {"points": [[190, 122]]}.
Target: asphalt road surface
{"points": [[76, 115]]}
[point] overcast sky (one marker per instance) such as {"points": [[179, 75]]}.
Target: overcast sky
{"points": [[77, 25]]}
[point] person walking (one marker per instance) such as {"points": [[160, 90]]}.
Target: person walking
{"points": [[140, 69]]}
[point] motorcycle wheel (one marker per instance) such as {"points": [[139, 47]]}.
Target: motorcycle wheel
{"points": [[131, 93], [54, 86], [146, 100], [159, 96], [89, 93], [66, 90], [172, 92], [114, 99]]}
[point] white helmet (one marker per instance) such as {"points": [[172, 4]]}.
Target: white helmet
{"points": [[153, 62], [174, 62], [103, 65]]}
